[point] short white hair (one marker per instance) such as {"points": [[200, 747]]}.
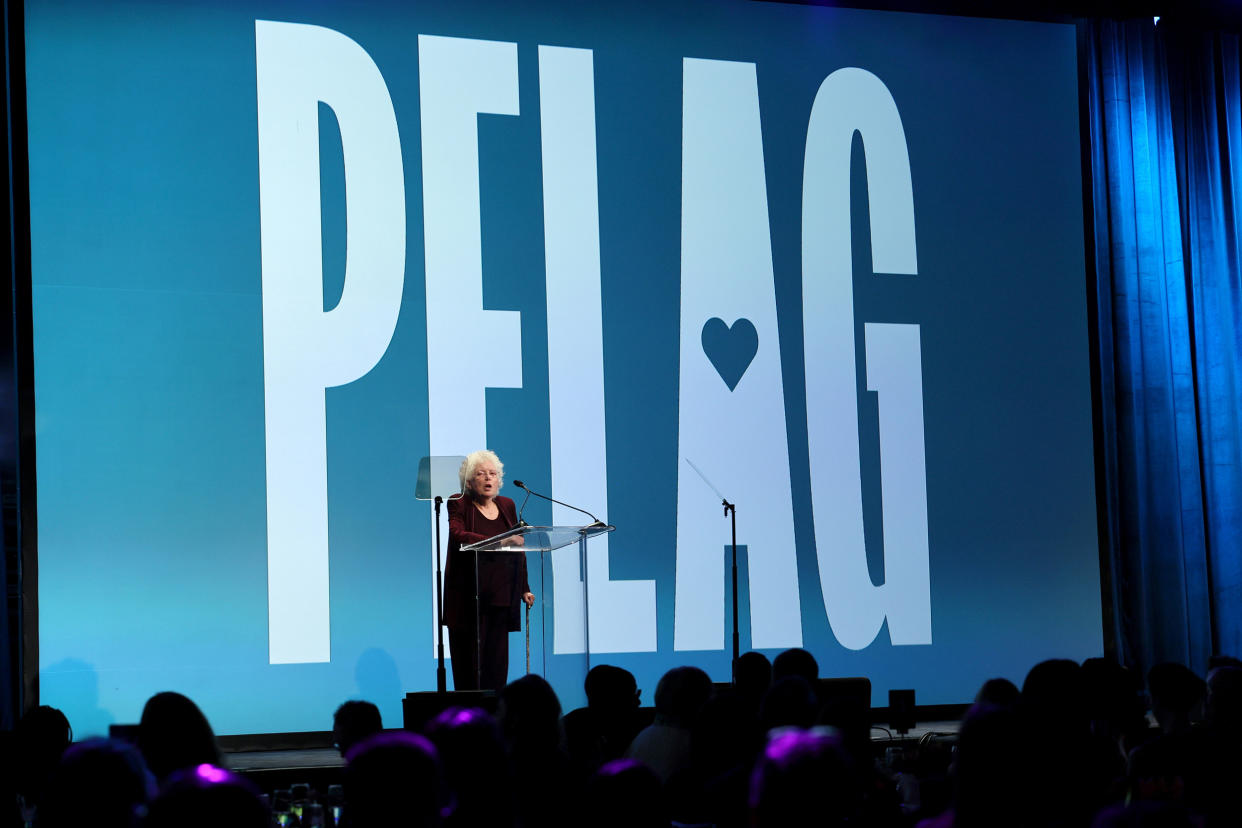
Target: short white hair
{"points": [[472, 463]]}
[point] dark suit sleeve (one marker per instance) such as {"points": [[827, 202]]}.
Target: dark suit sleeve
{"points": [[458, 534]]}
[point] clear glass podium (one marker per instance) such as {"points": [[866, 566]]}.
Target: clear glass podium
{"points": [[556, 650]]}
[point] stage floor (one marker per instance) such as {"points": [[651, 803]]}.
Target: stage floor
{"points": [[260, 760], [327, 761]]}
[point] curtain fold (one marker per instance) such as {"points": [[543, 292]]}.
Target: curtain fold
{"points": [[1204, 71], [1164, 120]]}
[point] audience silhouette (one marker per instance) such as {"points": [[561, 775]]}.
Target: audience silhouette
{"points": [[548, 785], [804, 778], [789, 702], [476, 768], [665, 744], [39, 741], [1072, 748], [174, 734], [207, 796], [990, 771], [998, 691], [753, 678], [625, 793], [604, 729], [393, 780], [99, 782], [796, 662], [354, 721]]}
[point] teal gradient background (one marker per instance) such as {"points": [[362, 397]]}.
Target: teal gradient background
{"points": [[149, 356]]}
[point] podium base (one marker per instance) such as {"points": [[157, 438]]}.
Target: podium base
{"points": [[417, 709]]}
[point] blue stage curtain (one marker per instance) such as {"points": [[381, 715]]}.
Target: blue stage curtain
{"points": [[1164, 110], [1206, 92]]}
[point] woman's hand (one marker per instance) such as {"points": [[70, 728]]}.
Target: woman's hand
{"points": [[529, 599]]}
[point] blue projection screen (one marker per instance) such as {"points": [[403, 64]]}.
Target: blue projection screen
{"points": [[825, 263]]}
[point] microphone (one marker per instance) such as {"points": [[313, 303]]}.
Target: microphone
{"points": [[529, 492], [522, 508]]}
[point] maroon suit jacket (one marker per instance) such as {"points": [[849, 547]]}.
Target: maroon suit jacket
{"points": [[502, 575]]}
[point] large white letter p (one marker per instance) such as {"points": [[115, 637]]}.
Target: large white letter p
{"points": [[305, 349]]}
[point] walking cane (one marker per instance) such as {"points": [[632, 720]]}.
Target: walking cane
{"points": [[528, 639]]}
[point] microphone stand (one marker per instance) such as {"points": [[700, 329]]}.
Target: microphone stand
{"points": [[521, 510], [732, 508], [729, 508], [441, 677], [438, 482]]}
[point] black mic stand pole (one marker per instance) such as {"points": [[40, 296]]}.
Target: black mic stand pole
{"points": [[441, 678], [731, 508]]}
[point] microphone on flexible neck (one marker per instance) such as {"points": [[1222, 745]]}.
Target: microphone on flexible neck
{"points": [[522, 508], [529, 492]]}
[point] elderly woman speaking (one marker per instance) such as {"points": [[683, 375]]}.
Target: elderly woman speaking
{"points": [[480, 644]]}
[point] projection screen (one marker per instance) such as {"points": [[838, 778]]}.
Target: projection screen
{"points": [[825, 263]]}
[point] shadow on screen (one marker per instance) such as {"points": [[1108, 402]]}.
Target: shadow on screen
{"points": [[377, 678], [73, 686]]}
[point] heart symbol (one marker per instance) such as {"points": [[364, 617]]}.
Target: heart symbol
{"points": [[730, 348]]}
